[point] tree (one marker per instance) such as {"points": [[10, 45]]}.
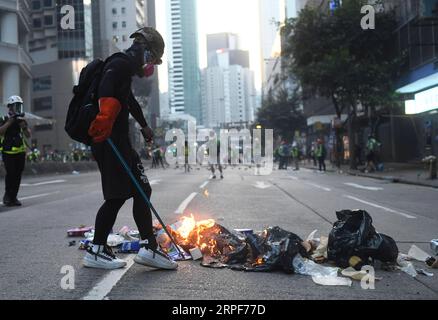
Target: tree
{"points": [[332, 56], [282, 112]]}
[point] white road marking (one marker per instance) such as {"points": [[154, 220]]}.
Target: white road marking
{"points": [[262, 185], [202, 186], [319, 187], [185, 203], [358, 186], [42, 183], [36, 196], [154, 182], [294, 178], [381, 207], [104, 287]]}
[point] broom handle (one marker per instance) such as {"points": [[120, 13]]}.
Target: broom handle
{"points": [[141, 191]]}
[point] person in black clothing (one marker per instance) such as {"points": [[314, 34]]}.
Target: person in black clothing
{"points": [[13, 130], [116, 102]]}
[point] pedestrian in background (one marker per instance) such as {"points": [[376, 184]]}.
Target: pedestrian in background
{"points": [[372, 149], [296, 156], [321, 154], [13, 130], [283, 154]]}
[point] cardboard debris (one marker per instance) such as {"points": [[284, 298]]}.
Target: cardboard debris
{"points": [[79, 232], [196, 254]]}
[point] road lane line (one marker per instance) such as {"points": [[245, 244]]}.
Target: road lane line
{"points": [[262, 185], [294, 178], [380, 207], [202, 186], [358, 186], [39, 195], [42, 183], [104, 287], [319, 187], [36, 196], [185, 203]]}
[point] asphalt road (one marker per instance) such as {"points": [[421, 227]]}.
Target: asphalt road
{"points": [[35, 247]]}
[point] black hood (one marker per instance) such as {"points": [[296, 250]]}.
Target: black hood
{"points": [[136, 56]]}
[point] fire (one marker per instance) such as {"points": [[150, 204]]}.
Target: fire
{"points": [[187, 225], [190, 234]]}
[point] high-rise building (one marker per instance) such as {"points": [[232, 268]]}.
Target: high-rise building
{"points": [[228, 90], [184, 74], [113, 22], [49, 41], [15, 61], [153, 111], [58, 55], [272, 42]]}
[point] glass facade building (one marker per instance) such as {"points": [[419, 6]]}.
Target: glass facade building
{"points": [[77, 43], [184, 74]]}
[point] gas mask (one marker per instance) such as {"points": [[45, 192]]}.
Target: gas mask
{"points": [[148, 67], [16, 110]]}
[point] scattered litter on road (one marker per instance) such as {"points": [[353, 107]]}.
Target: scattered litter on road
{"points": [[72, 243], [425, 273], [332, 281], [130, 247], [434, 246], [79, 232], [115, 240], [83, 244], [353, 241], [307, 267], [432, 263], [245, 232], [196, 254], [319, 255], [406, 266], [418, 254], [129, 234]]}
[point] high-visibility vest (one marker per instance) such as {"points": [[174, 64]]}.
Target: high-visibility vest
{"points": [[15, 149], [319, 151]]}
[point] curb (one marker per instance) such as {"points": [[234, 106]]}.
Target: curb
{"points": [[392, 179], [384, 178]]}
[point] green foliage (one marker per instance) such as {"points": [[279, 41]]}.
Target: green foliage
{"points": [[283, 114], [331, 55]]}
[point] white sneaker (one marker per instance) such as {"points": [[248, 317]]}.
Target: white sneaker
{"points": [[102, 257], [155, 258]]}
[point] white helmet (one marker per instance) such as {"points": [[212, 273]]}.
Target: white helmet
{"points": [[13, 100]]}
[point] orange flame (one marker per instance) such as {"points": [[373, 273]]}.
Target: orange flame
{"points": [[190, 231]]}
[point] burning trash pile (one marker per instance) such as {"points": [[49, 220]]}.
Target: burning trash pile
{"points": [[352, 243]]}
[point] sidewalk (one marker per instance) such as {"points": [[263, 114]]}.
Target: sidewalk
{"points": [[408, 173]]}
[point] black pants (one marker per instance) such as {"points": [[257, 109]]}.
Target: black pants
{"points": [[107, 214], [14, 165], [321, 161], [283, 163]]}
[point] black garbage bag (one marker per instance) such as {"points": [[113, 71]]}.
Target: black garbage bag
{"points": [[354, 235], [272, 249]]}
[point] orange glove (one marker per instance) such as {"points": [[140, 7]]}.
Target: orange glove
{"points": [[102, 126]]}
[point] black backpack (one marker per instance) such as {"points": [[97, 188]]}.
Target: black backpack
{"points": [[84, 106]]}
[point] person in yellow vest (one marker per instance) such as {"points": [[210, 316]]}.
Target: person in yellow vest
{"points": [[13, 130]]}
